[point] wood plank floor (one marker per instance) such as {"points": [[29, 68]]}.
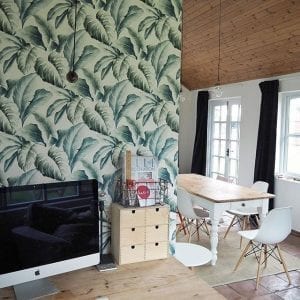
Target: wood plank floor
{"points": [[273, 287], [167, 279]]}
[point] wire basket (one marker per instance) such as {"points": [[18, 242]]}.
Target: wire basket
{"points": [[142, 193]]}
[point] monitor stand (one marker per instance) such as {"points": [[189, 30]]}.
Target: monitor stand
{"points": [[35, 289]]}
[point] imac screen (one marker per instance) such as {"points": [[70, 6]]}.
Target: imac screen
{"points": [[47, 223]]}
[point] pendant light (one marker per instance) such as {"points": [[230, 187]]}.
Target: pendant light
{"points": [[218, 90], [72, 76]]}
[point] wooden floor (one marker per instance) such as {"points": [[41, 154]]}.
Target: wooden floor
{"points": [[272, 287], [167, 279]]}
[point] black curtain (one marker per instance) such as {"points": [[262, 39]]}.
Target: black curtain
{"points": [[266, 140], [199, 154]]}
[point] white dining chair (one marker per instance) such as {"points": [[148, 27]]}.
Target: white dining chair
{"points": [[242, 215], [191, 213], [264, 241]]}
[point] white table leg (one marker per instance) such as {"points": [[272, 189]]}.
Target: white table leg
{"points": [[215, 215], [263, 210]]}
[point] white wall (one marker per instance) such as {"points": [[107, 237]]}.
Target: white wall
{"points": [[187, 129], [250, 98]]}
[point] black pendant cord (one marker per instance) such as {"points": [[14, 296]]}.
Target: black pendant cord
{"points": [[219, 55], [74, 37]]}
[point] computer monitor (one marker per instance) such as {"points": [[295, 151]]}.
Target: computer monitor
{"points": [[47, 229]]}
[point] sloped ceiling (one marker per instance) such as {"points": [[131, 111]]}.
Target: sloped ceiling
{"points": [[259, 39]]}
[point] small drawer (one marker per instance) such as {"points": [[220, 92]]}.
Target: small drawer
{"points": [[132, 235], [132, 217], [246, 205], [157, 215], [157, 232], [131, 254], [156, 250]]}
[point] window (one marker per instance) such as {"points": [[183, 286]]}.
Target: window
{"points": [[224, 138], [289, 141]]}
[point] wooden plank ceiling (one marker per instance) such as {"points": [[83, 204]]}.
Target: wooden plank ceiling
{"points": [[259, 39]]}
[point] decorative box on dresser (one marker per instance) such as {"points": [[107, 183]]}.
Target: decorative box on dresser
{"points": [[139, 233]]}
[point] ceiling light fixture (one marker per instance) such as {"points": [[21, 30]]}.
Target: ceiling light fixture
{"points": [[72, 76], [218, 90]]}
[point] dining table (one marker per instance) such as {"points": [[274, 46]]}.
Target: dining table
{"points": [[218, 196]]}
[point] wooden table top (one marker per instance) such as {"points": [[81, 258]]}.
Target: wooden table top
{"points": [[167, 279], [218, 190]]}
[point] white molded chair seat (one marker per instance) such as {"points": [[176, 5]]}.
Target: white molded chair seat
{"points": [[242, 215], [190, 212], [265, 240], [200, 212], [192, 255]]}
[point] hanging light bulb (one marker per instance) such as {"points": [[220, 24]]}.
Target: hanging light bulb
{"points": [[72, 76], [218, 90], [181, 97]]}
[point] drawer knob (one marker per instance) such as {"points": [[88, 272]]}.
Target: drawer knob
{"points": [[132, 247], [243, 204], [156, 244], [133, 211], [157, 209], [133, 229], [156, 226]]}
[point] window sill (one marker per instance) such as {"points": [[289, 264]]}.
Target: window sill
{"points": [[289, 179]]}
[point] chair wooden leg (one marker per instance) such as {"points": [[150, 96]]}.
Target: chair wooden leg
{"points": [[190, 231], [256, 218], [206, 228], [198, 227], [265, 254], [182, 225], [243, 228], [242, 255], [283, 264], [230, 225], [259, 265]]}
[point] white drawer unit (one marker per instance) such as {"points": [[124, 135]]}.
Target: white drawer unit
{"points": [[139, 233]]}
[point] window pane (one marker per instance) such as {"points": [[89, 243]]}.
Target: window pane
{"points": [[223, 112], [215, 164], [222, 165], [294, 120], [217, 113], [223, 148], [235, 112], [234, 129], [21, 196], [216, 147], [216, 130], [223, 131], [293, 159], [233, 168], [54, 193], [234, 149]]}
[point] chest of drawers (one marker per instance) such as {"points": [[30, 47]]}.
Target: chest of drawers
{"points": [[139, 234]]}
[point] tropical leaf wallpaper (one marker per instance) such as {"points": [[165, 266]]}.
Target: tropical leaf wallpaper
{"points": [[127, 56]]}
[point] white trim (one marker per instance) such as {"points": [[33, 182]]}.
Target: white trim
{"points": [[285, 98]]}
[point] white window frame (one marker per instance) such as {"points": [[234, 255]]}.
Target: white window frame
{"points": [[211, 104], [282, 145]]}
